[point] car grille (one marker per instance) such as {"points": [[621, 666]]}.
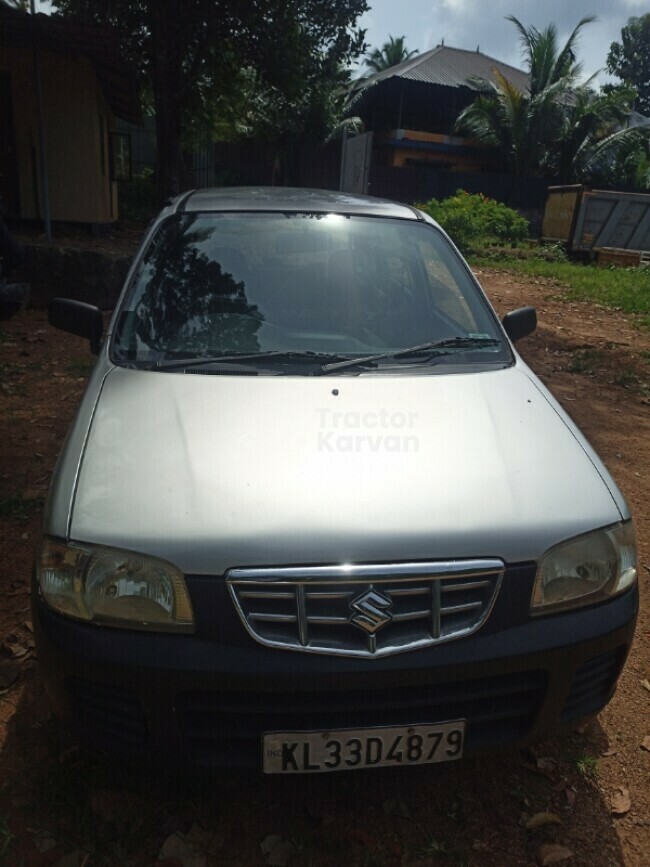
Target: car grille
{"points": [[593, 685], [221, 727], [365, 610]]}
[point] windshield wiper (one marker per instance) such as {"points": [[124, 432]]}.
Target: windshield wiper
{"points": [[432, 347], [198, 360]]}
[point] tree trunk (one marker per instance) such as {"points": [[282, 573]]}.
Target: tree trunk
{"points": [[168, 83]]}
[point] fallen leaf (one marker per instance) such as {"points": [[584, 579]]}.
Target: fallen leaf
{"points": [[540, 819], [276, 850], [570, 797], [645, 743], [621, 801], [646, 684], [609, 753], [546, 766], [552, 853], [43, 840], [17, 650], [206, 842], [177, 848]]}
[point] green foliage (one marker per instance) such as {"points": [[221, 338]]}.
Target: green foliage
{"points": [[190, 55], [626, 289], [138, 198], [558, 126], [586, 360], [593, 132], [630, 167], [587, 765], [522, 124], [629, 59], [474, 221], [390, 54]]}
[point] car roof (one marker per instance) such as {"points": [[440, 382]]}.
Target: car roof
{"points": [[284, 199]]}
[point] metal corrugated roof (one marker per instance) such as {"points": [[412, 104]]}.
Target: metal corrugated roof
{"points": [[449, 67]]}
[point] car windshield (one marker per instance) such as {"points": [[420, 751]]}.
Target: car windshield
{"points": [[291, 286]]}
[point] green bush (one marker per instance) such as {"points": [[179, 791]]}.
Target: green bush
{"points": [[138, 198], [474, 221]]}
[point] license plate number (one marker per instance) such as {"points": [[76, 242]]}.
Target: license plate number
{"points": [[310, 752]]}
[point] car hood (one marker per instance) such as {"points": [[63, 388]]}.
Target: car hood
{"points": [[212, 472]]}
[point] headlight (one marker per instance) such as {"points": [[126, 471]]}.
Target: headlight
{"points": [[113, 587], [585, 570]]}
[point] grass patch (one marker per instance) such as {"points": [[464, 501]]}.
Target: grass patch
{"points": [[626, 289], [586, 361], [81, 366], [626, 379], [588, 766]]}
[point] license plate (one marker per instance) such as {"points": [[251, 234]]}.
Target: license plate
{"points": [[342, 750]]}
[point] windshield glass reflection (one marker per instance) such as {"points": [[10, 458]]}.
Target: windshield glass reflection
{"points": [[215, 284]]}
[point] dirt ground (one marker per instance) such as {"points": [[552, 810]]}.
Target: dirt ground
{"points": [[59, 806]]}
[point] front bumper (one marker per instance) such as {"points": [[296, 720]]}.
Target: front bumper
{"points": [[204, 700]]}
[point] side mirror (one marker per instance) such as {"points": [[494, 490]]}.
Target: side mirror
{"points": [[78, 318], [520, 323]]}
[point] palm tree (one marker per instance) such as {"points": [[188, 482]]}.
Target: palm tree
{"points": [[525, 124], [390, 54], [593, 131]]}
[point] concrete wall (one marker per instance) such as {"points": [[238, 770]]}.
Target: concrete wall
{"points": [[77, 121]]}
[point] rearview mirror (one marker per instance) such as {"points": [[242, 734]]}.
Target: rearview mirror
{"points": [[78, 318], [520, 323]]}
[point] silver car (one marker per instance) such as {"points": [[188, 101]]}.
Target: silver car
{"points": [[314, 512]]}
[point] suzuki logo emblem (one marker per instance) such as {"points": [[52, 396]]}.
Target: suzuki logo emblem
{"points": [[371, 611]]}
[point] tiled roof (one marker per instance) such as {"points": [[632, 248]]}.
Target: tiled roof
{"points": [[450, 67]]}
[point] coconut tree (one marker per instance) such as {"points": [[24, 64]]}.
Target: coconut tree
{"points": [[390, 54], [524, 124], [593, 130]]}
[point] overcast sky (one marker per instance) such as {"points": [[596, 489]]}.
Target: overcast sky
{"points": [[471, 23]]}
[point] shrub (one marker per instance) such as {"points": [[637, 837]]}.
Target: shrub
{"points": [[474, 221], [138, 198]]}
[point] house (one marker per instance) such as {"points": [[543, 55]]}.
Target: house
{"points": [[412, 108], [84, 86]]}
